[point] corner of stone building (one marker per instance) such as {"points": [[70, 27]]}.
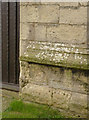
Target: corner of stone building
{"points": [[53, 68]]}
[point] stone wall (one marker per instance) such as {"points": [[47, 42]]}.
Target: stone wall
{"points": [[53, 55]]}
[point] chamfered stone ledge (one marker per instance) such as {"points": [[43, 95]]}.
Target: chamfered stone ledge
{"points": [[57, 54]]}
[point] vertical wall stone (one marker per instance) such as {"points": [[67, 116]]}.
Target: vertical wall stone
{"points": [[40, 32], [73, 16], [55, 34], [29, 13], [67, 34], [48, 13], [27, 31]]}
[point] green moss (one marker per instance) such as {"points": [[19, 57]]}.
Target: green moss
{"points": [[61, 63], [19, 109]]}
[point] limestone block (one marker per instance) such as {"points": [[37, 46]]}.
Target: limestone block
{"points": [[59, 78], [55, 77], [58, 47], [61, 98], [56, 58], [67, 34], [48, 13], [27, 31], [37, 74], [23, 48], [78, 103], [47, 59], [37, 93], [79, 80], [40, 32], [24, 73], [73, 16], [40, 13], [29, 3], [29, 13], [68, 4], [84, 4]]}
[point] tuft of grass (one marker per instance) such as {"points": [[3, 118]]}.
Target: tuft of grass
{"points": [[16, 106], [18, 109]]}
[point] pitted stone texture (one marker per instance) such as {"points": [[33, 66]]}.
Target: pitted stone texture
{"points": [[56, 22], [24, 44], [68, 79], [46, 95], [37, 74], [30, 31], [62, 4], [40, 13], [69, 4], [58, 54], [40, 32], [27, 31], [37, 93], [58, 98], [61, 98], [58, 79], [30, 3], [48, 13], [29, 13], [73, 16], [24, 74], [67, 34], [55, 77], [78, 103]]}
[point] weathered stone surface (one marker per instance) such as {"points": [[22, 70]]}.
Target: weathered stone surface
{"points": [[37, 74], [46, 95], [48, 60], [54, 77], [29, 13], [58, 98], [68, 79], [62, 4], [40, 13], [58, 46], [24, 73], [73, 16], [48, 13], [67, 34], [24, 44], [78, 103], [30, 3], [84, 4], [58, 54], [38, 93], [55, 34], [61, 98], [27, 31], [33, 73], [69, 4], [40, 32]]}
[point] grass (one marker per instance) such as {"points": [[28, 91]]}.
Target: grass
{"points": [[18, 109]]}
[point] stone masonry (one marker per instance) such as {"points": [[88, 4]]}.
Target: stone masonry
{"points": [[54, 55]]}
